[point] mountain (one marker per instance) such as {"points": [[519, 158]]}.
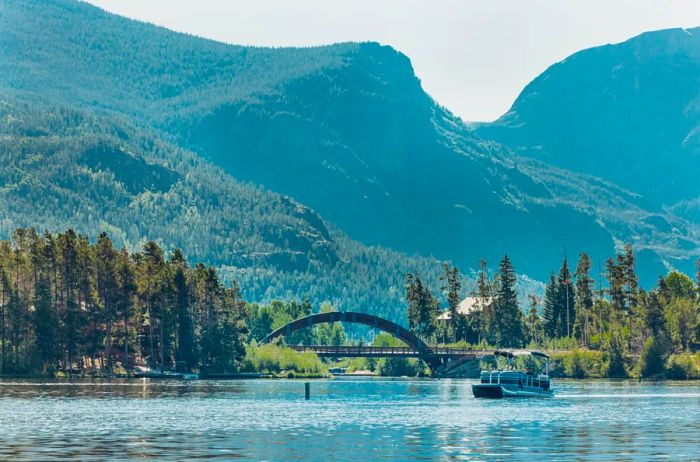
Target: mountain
{"points": [[628, 113], [63, 168], [345, 129]]}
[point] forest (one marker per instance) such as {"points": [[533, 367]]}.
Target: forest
{"points": [[64, 168], [69, 304], [609, 327]]}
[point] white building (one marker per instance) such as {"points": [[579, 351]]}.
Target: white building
{"points": [[466, 306]]}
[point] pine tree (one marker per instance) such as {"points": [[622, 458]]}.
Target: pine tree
{"points": [[185, 328], [584, 298], [71, 315], [423, 308], [127, 289], [107, 288], [508, 317], [484, 318], [615, 276], [565, 301], [451, 287], [535, 330], [45, 322], [551, 314], [412, 301], [631, 282]]}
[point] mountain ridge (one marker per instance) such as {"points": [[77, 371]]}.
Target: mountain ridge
{"points": [[345, 129]]}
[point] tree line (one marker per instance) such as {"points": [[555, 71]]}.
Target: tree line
{"points": [[635, 329], [67, 304]]}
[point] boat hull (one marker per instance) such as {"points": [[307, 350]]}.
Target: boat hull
{"points": [[496, 391], [487, 390]]}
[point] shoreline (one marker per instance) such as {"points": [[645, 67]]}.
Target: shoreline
{"points": [[272, 377]]}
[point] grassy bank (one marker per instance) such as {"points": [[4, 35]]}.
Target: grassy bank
{"points": [[282, 361], [582, 364]]}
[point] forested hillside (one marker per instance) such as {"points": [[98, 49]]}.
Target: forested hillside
{"points": [[61, 168], [345, 129]]}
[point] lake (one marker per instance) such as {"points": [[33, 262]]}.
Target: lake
{"points": [[346, 419]]}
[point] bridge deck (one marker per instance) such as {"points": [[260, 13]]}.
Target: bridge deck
{"points": [[353, 351]]}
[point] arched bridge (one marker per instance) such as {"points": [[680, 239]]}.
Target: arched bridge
{"points": [[435, 357], [403, 334]]}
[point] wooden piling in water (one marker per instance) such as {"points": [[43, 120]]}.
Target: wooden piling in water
{"points": [[307, 390]]}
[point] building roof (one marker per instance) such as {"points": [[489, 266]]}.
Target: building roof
{"points": [[466, 306]]}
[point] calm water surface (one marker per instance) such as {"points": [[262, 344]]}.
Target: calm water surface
{"points": [[346, 419]]}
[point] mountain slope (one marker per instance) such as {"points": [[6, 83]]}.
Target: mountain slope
{"points": [[629, 113], [63, 168], [345, 129]]}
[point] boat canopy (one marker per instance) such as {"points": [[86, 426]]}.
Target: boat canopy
{"points": [[516, 353]]}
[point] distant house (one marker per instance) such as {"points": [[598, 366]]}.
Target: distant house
{"points": [[467, 306]]}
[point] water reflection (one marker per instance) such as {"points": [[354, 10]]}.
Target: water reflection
{"points": [[358, 419]]}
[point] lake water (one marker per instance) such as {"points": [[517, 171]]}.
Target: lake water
{"points": [[346, 419]]}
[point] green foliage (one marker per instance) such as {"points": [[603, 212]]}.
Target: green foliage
{"points": [[652, 359], [315, 105], [551, 308], [533, 324], [75, 305], [64, 168], [263, 319], [422, 309], [683, 366], [275, 359], [616, 355], [584, 300], [399, 367], [681, 316], [679, 285], [508, 318], [578, 364]]}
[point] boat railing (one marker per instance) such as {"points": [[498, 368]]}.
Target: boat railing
{"points": [[530, 380]]}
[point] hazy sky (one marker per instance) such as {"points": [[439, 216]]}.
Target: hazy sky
{"points": [[473, 56]]}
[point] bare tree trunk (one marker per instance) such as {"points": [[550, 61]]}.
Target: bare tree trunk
{"points": [[160, 344], [150, 332], [108, 342]]}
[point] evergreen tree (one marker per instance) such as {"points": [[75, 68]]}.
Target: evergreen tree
{"points": [[616, 354], [654, 314], [127, 289], [535, 329], [71, 314], [107, 288], [551, 314], [45, 323], [615, 276], [451, 287], [483, 319], [565, 301], [631, 282], [508, 317], [423, 308], [583, 303], [185, 328]]}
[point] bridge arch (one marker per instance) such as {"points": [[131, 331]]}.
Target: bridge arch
{"points": [[392, 328]]}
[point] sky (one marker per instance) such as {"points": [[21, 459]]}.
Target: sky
{"points": [[473, 56]]}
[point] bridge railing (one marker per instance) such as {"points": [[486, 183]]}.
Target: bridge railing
{"points": [[351, 350], [380, 351]]}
